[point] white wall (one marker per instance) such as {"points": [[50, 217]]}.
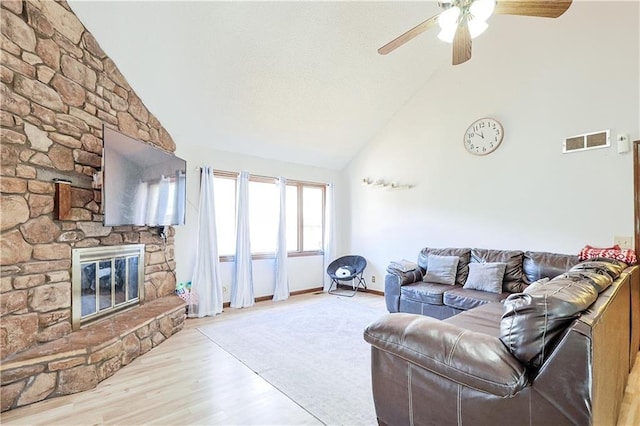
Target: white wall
{"points": [[304, 272], [544, 80]]}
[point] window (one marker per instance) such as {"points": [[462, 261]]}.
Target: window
{"points": [[304, 207], [263, 216], [312, 214], [224, 195]]}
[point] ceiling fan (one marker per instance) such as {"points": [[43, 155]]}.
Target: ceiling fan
{"points": [[462, 20]]}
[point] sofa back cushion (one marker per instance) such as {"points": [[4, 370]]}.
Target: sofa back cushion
{"points": [[463, 264], [539, 264], [599, 281], [513, 281], [531, 287], [610, 267], [532, 323]]}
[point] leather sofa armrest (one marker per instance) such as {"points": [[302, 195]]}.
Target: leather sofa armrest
{"points": [[408, 277], [392, 283], [475, 360]]}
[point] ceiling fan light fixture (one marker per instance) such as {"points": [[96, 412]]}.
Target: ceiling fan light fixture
{"points": [[482, 9], [449, 18], [477, 27], [448, 21], [447, 34]]}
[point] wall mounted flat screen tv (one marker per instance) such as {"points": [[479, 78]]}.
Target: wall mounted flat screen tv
{"points": [[142, 185]]}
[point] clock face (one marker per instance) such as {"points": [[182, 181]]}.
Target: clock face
{"points": [[483, 136]]}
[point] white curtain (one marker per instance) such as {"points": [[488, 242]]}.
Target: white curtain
{"points": [[206, 285], [281, 290], [329, 234], [242, 288]]}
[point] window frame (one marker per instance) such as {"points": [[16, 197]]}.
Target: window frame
{"points": [[299, 184]]}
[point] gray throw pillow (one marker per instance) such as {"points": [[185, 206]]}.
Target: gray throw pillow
{"points": [[486, 277], [441, 269]]}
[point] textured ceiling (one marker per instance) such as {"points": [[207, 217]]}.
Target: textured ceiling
{"points": [[295, 81]]}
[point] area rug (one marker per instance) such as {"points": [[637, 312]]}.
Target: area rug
{"points": [[312, 351]]}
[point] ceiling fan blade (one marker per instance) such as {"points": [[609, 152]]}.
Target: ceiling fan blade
{"points": [[539, 8], [462, 44], [413, 32]]}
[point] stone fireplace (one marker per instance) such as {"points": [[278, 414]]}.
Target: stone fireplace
{"points": [[57, 90]]}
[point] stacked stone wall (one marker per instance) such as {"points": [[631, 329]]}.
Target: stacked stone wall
{"points": [[57, 89]]}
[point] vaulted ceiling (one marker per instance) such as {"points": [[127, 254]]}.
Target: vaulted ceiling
{"points": [[295, 81]]}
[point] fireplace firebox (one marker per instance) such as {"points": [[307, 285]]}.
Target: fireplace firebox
{"points": [[105, 280]]}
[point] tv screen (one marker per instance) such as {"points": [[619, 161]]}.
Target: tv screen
{"points": [[142, 185]]}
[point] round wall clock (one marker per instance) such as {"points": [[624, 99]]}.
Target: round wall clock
{"points": [[483, 136]]}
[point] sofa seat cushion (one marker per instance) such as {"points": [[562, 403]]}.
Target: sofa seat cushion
{"points": [[430, 293], [483, 319], [465, 299]]}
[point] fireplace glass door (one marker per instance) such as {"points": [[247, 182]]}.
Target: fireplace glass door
{"points": [[106, 280]]}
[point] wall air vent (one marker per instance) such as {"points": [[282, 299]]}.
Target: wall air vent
{"points": [[586, 142]]}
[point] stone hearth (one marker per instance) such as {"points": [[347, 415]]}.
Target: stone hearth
{"points": [[82, 359]]}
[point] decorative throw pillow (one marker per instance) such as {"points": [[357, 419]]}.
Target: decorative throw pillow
{"points": [[513, 280], [463, 265], [627, 256], [441, 269], [486, 277]]}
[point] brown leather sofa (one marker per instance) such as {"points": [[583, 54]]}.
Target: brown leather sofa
{"points": [[407, 292], [556, 354]]}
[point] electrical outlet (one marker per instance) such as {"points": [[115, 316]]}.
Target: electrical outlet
{"points": [[373, 278], [224, 289], [623, 242]]}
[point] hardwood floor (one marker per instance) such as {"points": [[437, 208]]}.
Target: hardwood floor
{"points": [[190, 380]]}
